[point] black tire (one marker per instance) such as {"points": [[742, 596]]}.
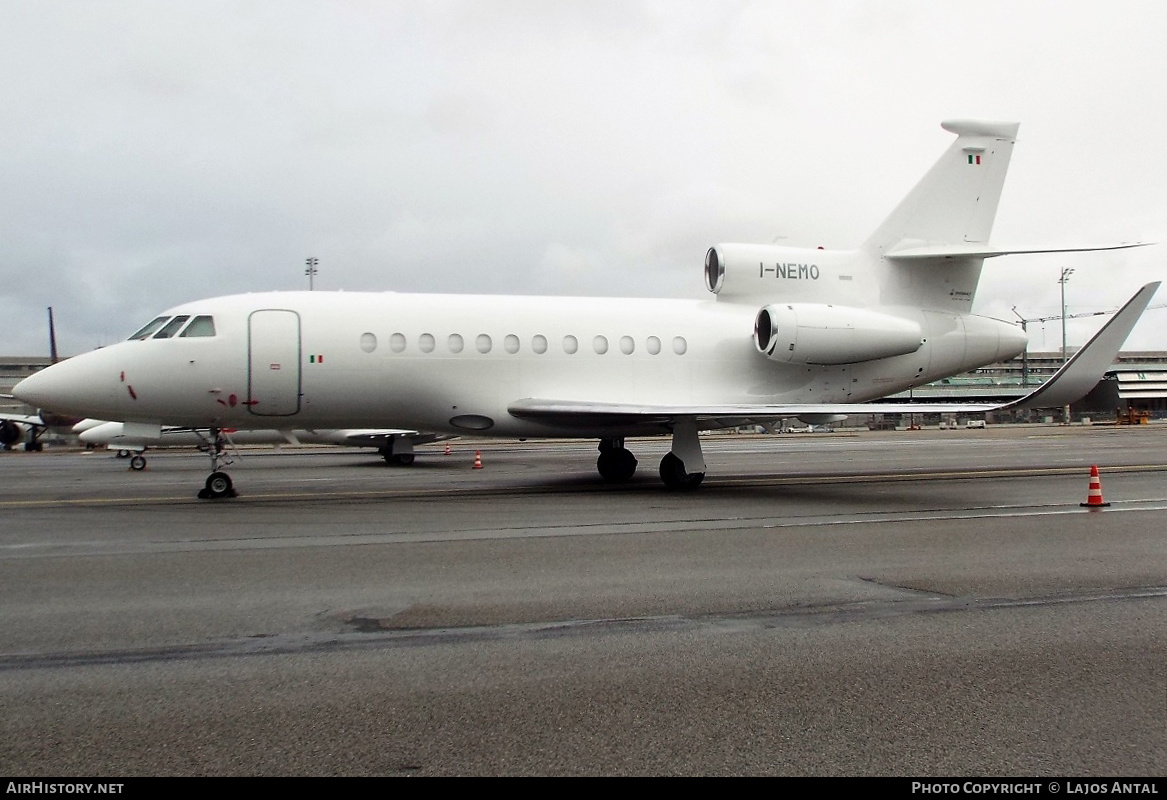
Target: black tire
{"points": [[672, 472], [617, 465], [219, 485], [137, 463]]}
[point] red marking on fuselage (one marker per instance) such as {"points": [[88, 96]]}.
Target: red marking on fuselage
{"points": [[233, 400], [131, 391]]}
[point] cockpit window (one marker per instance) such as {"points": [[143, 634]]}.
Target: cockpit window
{"points": [[154, 325], [200, 326], [172, 327]]}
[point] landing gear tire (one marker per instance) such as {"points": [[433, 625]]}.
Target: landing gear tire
{"points": [[672, 472], [616, 465], [218, 486], [123, 454], [399, 459], [137, 463]]}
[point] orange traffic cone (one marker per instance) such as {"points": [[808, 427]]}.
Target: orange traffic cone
{"points": [[447, 448], [477, 460], [1094, 498]]}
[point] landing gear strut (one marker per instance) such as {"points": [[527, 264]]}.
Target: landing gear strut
{"points": [[33, 444], [615, 464], [397, 452], [683, 467], [218, 485]]}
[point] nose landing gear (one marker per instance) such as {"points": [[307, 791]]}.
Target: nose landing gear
{"points": [[218, 485]]}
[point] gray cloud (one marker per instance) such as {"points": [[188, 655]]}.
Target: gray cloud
{"points": [[156, 153]]}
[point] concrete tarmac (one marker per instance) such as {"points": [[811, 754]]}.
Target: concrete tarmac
{"points": [[912, 603]]}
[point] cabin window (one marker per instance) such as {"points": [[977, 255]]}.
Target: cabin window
{"points": [[455, 343], [570, 344], [201, 325], [627, 345], [483, 343], [425, 342], [539, 343], [154, 325], [397, 343], [600, 345], [680, 345], [171, 328], [653, 345], [368, 342], [511, 343]]}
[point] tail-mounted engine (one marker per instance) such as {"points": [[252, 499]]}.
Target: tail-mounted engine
{"points": [[812, 333], [739, 271]]}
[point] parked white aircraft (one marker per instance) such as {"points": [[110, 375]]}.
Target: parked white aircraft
{"points": [[789, 332], [132, 440], [30, 427]]}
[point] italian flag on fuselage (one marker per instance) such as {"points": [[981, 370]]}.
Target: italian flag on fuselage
{"points": [[974, 158]]}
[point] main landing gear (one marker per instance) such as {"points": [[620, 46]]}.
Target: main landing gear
{"points": [[137, 460], [682, 468], [616, 464], [218, 485]]}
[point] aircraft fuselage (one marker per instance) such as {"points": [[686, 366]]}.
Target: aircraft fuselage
{"points": [[452, 363]]}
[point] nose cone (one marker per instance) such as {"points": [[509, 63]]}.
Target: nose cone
{"points": [[79, 387]]}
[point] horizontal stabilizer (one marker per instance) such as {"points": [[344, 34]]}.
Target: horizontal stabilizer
{"points": [[972, 250]]}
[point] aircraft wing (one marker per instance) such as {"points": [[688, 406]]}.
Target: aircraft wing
{"points": [[970, 250], [584, 415], [32, 421], [377, 436], [1076, 377]]}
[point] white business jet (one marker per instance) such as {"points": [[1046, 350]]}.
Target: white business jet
{"points": [[131, 440], [803, 333]]}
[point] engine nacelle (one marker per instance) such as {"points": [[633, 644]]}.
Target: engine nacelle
{"points": [[813, 333], [10, 433], [738, 271]]}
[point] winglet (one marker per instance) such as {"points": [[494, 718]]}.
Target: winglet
{"points": [[1081, 373]]}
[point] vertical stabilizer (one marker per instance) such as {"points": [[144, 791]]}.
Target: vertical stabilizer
{"points": [[54, 358], [957, 200]]}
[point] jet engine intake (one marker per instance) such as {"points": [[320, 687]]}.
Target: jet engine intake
{"points": [[738, 271], [813, 333]]}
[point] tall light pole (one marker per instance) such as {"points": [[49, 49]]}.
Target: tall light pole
{"points": [[1066, 273], [311, 271], [1025, 352]]}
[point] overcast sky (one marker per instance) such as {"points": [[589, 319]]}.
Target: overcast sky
{"points": [[153, 153]]}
